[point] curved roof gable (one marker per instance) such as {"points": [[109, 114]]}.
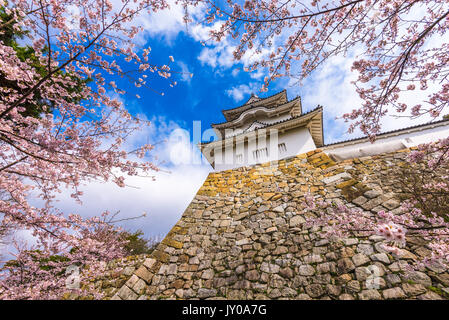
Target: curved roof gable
{"points": [[312, 120], [252, 99], [269, 102], [248, 113]]}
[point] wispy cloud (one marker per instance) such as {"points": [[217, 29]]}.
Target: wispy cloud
{"points": [[242, 91], [163, 199], [221, 54], [331, 86], [186, 74], [168, 23]]}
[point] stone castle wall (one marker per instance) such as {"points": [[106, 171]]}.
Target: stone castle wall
{"points": [[243, 237]]}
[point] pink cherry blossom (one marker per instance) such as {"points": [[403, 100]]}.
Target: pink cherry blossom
{"points": [[77, 138], [399, 45]]}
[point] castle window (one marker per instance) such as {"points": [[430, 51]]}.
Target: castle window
{"points": [[282, 148], [260, 153]]}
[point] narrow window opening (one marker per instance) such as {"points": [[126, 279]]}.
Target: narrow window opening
{"points": [[282, 148], [260, 153]]}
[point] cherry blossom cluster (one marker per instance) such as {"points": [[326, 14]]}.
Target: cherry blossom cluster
{"points": [[401, 47], [81, 48], [401, 51], [339, 220], [392, 232]]}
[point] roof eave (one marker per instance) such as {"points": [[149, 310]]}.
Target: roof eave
{"points": [[418, 127], [227, 112], [268, 110], [311, 115]]}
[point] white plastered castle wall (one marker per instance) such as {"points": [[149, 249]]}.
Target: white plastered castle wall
{"points": [[299, 141], [388, 142], [251, 125], [263, 146]]}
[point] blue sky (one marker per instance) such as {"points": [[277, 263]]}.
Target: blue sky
{"points": [[217, 83], [197, 98]]}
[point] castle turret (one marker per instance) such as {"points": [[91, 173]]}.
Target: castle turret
{"points": [[264, 129]]}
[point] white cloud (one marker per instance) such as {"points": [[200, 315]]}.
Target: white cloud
{"points": [[218, 56], [22, 238], [164, 200], [169, 22], [331, 87], [186, 74], [242, 91], [221, 54]]}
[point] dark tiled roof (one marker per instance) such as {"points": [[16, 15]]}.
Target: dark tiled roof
{"points": [[292, 118], [231, 114], [217, 124]]}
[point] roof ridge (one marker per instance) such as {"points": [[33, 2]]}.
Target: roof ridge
{"points": [[261, 98], [220, 123]]}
